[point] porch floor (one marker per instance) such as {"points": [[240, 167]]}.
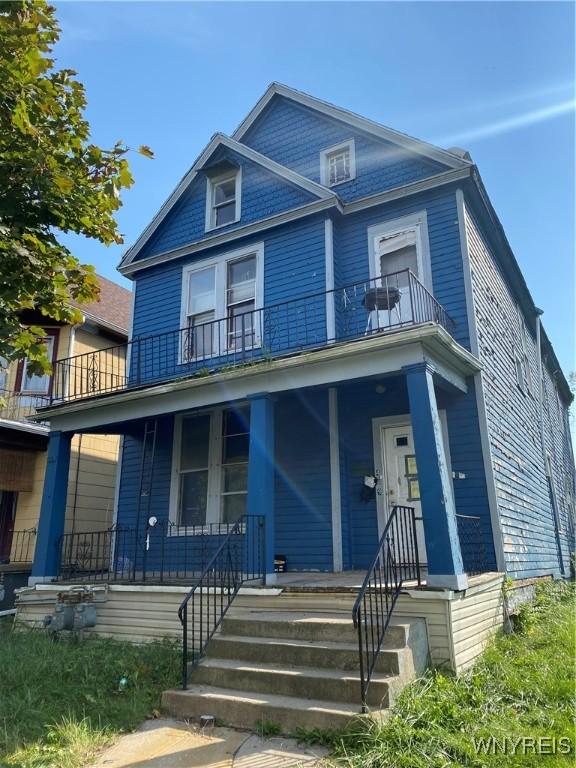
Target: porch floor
{"points": [[311, 581]]}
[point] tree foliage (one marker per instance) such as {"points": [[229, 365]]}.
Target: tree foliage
{"points": [[52, 180]]}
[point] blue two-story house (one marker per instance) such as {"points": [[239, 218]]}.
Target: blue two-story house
{"points": [[329, 325]]}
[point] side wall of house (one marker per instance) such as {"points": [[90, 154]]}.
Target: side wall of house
{"points": [[531, 537]]}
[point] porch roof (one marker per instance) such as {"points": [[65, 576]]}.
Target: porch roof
{"points": [[330, 365]]}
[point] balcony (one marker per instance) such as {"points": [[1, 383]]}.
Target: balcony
{"points": [[384, 305], [18, 406]]}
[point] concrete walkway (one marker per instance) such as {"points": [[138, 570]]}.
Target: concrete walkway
{"points": [[175, 744]]}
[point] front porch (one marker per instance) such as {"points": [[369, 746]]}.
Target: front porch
{"points": [[321, 468]]}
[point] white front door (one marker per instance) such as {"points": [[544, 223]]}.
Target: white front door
{"points": [[400, 485]]}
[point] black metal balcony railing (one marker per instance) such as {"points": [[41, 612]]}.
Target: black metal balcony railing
{"points": [[17, 406], [18, 547], [382, 305], [161, 553]]}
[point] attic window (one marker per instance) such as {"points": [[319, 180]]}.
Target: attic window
{"points": [[223, 200], [338, 164]]}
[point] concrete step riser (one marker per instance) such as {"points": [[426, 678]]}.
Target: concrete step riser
{"points": [[395, 635], [300, 655], [242, 714], [298, 686]]}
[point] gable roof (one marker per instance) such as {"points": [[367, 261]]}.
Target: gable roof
{"points": [[221, 140], [112, 309], [409, 143]]}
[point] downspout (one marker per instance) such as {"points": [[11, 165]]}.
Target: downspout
{"points": [[549, 478]]}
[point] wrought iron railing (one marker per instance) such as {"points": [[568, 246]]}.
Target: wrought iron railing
{"points": [[158, 554], [396, 562], [472, 544], [240, 558], [382, 305], [17, 406], [18, 547]]}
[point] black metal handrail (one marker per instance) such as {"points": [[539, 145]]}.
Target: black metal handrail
{"points": [[18, 547], [238, 559], [158, 554], [472, 544], [380, 305], [396, 562]]}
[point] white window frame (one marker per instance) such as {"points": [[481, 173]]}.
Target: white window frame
{"points": [[214, 497], [211, 184], [325, 166], [221, 266], [416, 222]]}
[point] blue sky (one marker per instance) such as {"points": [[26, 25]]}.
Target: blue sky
{"points": [[496, 78]]}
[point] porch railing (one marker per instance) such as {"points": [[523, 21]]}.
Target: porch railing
{"points": [[157, 554], [472, 544], [381, 305], [18, 547], [240, 558], [395, 562], [17, 406]]}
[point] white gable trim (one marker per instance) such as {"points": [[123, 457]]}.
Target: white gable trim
{"points": [[218, 140], [361, 123]]}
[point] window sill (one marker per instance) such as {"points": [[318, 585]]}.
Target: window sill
{"points": [[221, 226], [179, 531], [216, 355]]}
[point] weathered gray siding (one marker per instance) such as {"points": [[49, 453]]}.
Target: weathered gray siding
{"points": [[531, 541]]}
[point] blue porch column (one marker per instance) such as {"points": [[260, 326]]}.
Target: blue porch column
{"points": [[53, 508], [445, 567], [261, 473]]}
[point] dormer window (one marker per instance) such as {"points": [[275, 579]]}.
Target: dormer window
{"points": [[223, 200], [338, 164]]}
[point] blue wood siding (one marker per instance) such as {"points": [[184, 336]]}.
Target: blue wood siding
{"points": [[527, 516], [294, 136], [263, 194], [294, 266], [303, 507]]}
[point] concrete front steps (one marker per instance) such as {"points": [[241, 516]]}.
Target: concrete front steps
{"points": [[295, 669]]}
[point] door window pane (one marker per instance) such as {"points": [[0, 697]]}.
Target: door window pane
{"points": [[193, 498], [235, 448]]}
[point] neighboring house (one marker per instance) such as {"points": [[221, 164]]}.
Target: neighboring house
{"points": [[23, 443], [331, 335]]}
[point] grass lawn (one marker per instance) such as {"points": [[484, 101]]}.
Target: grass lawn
{"points": [[523, 685], [59, 700]]}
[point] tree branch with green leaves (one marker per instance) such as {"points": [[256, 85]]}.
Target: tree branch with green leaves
{"points": [[53, 180]]}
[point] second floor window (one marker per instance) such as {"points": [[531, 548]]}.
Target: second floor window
{"points": [[34, 383], [221, 305], [223, 204]]}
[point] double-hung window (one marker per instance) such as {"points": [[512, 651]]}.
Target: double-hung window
{"points": [[210, 472], [338, 164], [221, 304], [223, 200], [37, 383]]}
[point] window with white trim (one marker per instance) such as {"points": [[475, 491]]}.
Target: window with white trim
{"points": [[35, 383], [210, 484], [221, 300], [338, 164], [223, 200]]}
